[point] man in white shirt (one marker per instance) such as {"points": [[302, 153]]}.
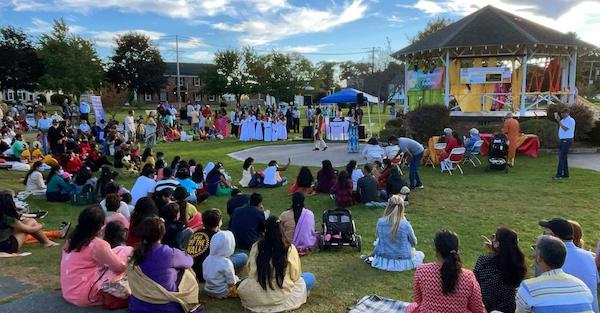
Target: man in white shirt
{"points": [[129, 125], [296, 119], [566, 133], [84, 111], [189, 109], [84, 127]]}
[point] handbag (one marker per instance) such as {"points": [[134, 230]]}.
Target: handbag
{"points": [[222, 191], [114, 295], [85, 197]]}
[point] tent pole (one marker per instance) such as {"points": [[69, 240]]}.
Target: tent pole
{"points": [[523, 84], [447, 80], [369, 116], [380, 110]]}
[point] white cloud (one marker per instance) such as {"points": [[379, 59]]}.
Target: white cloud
{"points": [[294, 21], [107, 38], [39, 25], [395, 19], [200, 56], [188, 43], [582, 17], [304, 49]]}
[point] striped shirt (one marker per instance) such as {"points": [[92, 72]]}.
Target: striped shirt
{"points": [[554, 291], [166, 183]]}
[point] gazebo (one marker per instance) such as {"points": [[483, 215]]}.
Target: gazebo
{"points": [[483, 62]]}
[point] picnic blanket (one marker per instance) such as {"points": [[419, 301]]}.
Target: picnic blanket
{"points": [[375, 303]]}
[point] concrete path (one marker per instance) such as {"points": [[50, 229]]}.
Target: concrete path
{"points": [[10, 287], [586, 161], [46, 302], [301, 154]]}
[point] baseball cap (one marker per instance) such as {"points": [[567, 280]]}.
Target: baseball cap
{"points": [[560, 227]]}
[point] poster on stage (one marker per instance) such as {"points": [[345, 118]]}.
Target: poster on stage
{"points": [[419, 80], [485, 75], [98, 109]]}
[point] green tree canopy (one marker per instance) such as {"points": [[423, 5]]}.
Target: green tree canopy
{"points": [[20, 65], [71, 62]]}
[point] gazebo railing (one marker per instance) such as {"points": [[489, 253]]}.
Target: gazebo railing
{"points": [[495, 97], [537, 98]]}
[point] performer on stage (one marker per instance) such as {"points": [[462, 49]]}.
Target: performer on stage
{"points": [[319, 130], [352, 132]]}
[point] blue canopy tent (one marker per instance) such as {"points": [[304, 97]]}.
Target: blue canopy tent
{"points": [[348, 95]]}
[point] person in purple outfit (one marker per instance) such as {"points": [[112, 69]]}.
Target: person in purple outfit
{"points": [[155, 265]]}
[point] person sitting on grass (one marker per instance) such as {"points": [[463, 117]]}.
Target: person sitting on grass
{"points": [[58, 190], [396, 240], [144, 207], [367, 191], [275, 280], [218, 270], [248, 222], [355, 173], [304, 183], [113, 188], [272, 174], [34, 180], [16, 230], [160, 277], [84, 256], [159, 167], [177, 235], [189, 215], [247, 172], [298, 224], [112, 203], [500, 273], [342, 191], [183, 177], [216, 181], [395, 185], [326, 177], [144, 185], [444, 286]]}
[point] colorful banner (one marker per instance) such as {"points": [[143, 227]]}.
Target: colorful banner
{"points": [[98, 109], [418, 80], [485, 75]]}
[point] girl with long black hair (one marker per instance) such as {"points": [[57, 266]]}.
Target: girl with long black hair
{"points": [[342, 191], [84, 256], [34, 180], [144, 207], [500, 273], [326, 177], [298, 224], [275, 282], [444, 286]]}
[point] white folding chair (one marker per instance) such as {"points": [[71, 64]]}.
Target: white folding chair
{"points": [[472, 157], [438, 147], [449, 163]]}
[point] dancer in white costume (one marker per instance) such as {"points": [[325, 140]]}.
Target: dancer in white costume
{"points": [[268, 125], [282, 134], [258, 133]]}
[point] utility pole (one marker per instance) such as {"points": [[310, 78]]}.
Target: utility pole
{"points": [[178, 76], [372, 61]]}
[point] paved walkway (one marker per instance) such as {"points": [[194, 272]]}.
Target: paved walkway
{"points": [[301, 154], [587, 161], [46, 302]]}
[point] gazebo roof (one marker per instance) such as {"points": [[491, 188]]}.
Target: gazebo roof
{"points": [[491, 27]]}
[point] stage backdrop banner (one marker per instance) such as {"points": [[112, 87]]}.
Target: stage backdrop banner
{"points": [[418, 80], [485, 75], [98, 109]]}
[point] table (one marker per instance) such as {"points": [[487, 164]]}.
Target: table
{"points": [[527, 144], [337, 130]]}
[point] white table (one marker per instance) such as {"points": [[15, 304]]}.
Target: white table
{"points": [[337, 130]]}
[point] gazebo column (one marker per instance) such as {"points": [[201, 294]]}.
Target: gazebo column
{"points": [[523, 84], [447, 80], [564, 78], [406, 66], [572, 69]]}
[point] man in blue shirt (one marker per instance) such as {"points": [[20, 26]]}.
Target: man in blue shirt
{"points": [[43, 126], [414, 150], [248, 223], [566, 133], [84, 111], [578, 262]]}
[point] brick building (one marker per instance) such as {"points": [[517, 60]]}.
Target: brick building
{"points": [[190, 86]]}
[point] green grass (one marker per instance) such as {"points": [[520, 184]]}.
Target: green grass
{"points": [[473, 204]]}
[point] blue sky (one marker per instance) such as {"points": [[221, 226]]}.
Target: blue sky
{"points": [[333, 30]]}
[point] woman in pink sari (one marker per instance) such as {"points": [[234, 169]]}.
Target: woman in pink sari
{"points": [[298, 224], [221, 125]]}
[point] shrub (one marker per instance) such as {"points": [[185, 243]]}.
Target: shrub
{"points": [[58, 99], [41, 99], [584, 118], [427, 121], [489, 128], [546, 130], [393, 127], [594, 134]]}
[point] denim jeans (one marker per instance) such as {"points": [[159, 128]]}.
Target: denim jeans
{"points": [[563, 164], [239, 260], [45, 143], [415, 180], [309, 279]]}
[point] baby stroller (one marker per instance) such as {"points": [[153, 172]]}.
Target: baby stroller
{"points": [[339, 230], [498, 153]]}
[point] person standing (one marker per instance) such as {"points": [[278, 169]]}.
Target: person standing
{"points": [[296, 119], [414, 150], [319, 126], [566, 133], [129, 124], [512, 130], [43, 126], [84, 111], [352, 132]]}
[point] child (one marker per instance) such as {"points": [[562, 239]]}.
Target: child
{"points": [[176, 234], [115, 233], [36, 154], [126, 197], [158, 167], [189, 215], [26, 154], [113, 203], [217, 269]]}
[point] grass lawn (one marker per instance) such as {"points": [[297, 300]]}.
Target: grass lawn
{"points": [[472, 205]]}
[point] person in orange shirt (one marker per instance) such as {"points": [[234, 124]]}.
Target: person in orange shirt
{"points": [[512, 130]]}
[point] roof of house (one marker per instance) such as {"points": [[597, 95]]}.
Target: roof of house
{"points": [[490, 26], [185, 69]]}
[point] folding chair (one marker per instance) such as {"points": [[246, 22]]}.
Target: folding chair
{"points": [[437, 147], [398, 162], [472, 156], [450, 163]]}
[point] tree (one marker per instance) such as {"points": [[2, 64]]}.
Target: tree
{"points": [[212, 82], [325, 76], [235, 68], [288, 75], [136, 64], [20, 65], [350, 69], [71, 62], [432, 26]]}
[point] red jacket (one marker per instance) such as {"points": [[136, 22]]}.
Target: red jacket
{"points": [[73, 165]]}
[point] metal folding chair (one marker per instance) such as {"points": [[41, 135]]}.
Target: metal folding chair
{"points": [[450, 163], [472, 157]]}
